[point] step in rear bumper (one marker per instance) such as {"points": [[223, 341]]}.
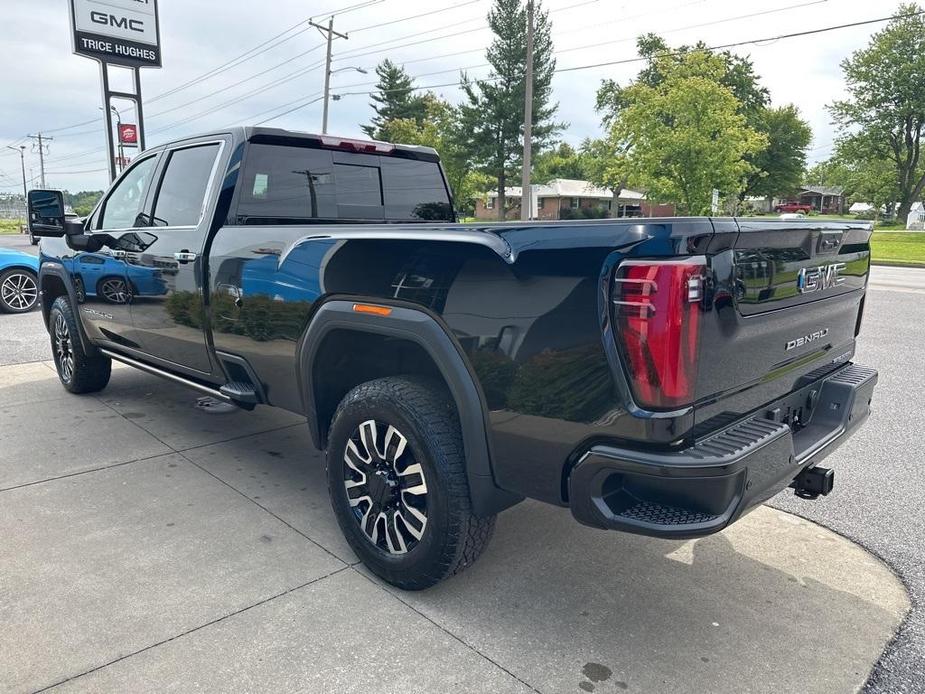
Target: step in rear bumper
{"points": [[702, 489]]}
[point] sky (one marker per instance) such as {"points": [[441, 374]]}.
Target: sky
{"points": [[47, 89]]}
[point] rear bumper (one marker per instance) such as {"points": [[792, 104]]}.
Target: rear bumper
{"points": [[702, 489]]}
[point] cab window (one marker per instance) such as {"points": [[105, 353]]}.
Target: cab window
{"points": [[124, 203], [181, 196]]}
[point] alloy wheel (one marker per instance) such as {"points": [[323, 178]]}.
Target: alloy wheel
{"points": [[114, 291], [64, 355], [19, 291], [386, 487]]}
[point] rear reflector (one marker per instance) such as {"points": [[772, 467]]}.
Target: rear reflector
{"points": [[657, 307]]}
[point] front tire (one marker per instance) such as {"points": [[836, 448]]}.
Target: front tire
{"points": [[78, 371], [397, 479], [19, 290]]}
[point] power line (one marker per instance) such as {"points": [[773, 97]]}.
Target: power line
{"points": [[247, 55], [637, 59], [736, 44], [416, 16], [295, 108], [247, 79], [484, 25], [236, 100], [621, 61]]}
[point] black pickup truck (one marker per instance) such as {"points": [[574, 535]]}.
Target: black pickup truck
{"points": [[656, 376]]}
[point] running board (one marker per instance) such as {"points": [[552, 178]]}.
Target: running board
{"points": [[208, 390]]}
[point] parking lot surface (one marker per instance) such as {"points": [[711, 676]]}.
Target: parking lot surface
{"points": [[149, 546], [879, 497]]}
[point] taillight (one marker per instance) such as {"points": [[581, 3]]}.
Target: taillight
{"points": [[657, 306]]}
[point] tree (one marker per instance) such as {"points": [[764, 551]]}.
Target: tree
{"points": [[886, 108], [492, 113], [734, 72], [684, 136], [864, 175], [778, 169], [605, 163], [562, 162], [439, 128], [394, 99]]}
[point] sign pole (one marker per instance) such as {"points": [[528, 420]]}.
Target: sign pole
{"points": [[126, 34], [138, 111], [107, 119]]}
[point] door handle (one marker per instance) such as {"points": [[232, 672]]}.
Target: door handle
{"points": [[184, 256]]}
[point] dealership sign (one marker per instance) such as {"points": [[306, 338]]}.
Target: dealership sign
{"points": [[128, 135], [119, 32]]}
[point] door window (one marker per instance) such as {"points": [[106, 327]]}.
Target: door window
{"points": [[124, 203], [182, 192]]}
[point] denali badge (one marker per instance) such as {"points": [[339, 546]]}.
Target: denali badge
{"points": [[815, 279], [806, 339]]}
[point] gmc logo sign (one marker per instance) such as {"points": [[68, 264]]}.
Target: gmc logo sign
{"points": [[817, 279], [112, 20]]}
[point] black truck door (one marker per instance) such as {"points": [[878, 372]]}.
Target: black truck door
{"points": [[101, 282], [167, 307]]}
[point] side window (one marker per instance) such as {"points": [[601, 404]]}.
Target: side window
{"points": [[286, 184], [414, 190], [124, 202], [183, 187]]}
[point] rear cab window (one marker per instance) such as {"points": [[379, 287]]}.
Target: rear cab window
{"points": [[288, 184]]}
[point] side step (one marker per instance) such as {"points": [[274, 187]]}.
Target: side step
{"points": [[241, 394], [237, 393]]}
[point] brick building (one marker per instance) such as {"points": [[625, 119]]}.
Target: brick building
{"points": [[566, 198]]}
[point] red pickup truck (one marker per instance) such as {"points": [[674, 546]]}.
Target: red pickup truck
{"points": [[794, 207]]}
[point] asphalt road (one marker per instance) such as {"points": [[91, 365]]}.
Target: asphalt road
{"points": [[879, 496]]}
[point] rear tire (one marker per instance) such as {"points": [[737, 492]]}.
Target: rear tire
{"points": [[78, 371], [397, 480]]}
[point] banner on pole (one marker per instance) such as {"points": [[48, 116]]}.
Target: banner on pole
{"points": [[128, 135]]}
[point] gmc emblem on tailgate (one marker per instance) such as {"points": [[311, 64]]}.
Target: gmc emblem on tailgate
{"points": [[819, 278]]}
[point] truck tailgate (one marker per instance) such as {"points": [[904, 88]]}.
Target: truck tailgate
{"points": [[786, 307]]}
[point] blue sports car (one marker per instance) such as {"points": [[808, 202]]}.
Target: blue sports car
{"points": [[19, 289]]}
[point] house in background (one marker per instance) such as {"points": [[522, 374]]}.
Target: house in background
{"points": [[567, 198], [824, 199]]}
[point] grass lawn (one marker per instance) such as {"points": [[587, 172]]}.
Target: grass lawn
{"points": [[891, 248], [10, 226]]}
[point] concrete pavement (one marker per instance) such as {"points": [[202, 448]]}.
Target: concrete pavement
{"points": [[164, 549], [132, 559]]}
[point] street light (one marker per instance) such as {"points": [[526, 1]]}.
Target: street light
{"points": [[22, 163], [118, 135], [327, 92]]}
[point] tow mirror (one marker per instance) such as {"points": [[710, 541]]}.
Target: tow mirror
{"points": [[46, 212]]}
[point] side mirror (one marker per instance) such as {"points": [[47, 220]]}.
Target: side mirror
{"points": [[46, 213]]}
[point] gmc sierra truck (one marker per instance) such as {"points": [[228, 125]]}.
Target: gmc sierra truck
{"points": [[655, 376]]}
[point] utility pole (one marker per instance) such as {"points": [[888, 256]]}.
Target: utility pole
{"points": [[41, 139], [526, 193], [22, 163], [329, 33]]}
